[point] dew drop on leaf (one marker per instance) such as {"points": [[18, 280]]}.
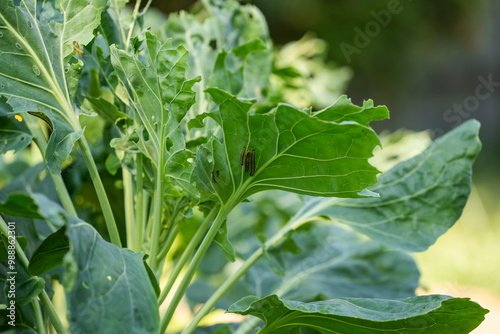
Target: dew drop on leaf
{"points": [[1, 34], [19, 46], [36, 70]]}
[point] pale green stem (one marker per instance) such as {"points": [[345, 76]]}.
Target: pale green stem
{"points": [[118, 14], [101, 193], [139, 201], [170, 240], [131, 28], [188, 252], [157, 215], [128, 192], [56, 322], [41, 142], [39, 318], [193, 266], [43, 295]]}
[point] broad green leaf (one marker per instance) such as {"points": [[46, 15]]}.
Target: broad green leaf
{"points": [[333, 262], [421, 198], [50, 253], [36, 206], [110, 286], [161, 96], [295, 150], [36, 41], [429, 314]]}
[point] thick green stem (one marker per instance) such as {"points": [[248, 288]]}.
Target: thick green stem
{"points": [[56, 322], [193, 266], [41, 142], [139, 201], [157, 216], [131, 28], [128, 192], [188, 252], [38, 315], [101, 193]]}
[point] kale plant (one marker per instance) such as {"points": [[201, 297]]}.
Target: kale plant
{"points": [[152, 162]]}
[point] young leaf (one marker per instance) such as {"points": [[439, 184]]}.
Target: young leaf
{"points": [[110, 286], [35, 43], [50, 253], [162, 96], [420, 198], [295, 151], [222, 241], [432, 314]]}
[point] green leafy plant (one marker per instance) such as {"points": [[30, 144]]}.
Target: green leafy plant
{"points": [[223, 195]]}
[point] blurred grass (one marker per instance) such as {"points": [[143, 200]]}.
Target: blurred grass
{"points": [[464, 262]]}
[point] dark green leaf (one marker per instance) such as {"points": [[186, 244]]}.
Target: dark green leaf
{"points": [[111, 286], [432, 314], [50, 253]]}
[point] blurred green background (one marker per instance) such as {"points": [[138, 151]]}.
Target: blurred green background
{"points": [[428, 62]]}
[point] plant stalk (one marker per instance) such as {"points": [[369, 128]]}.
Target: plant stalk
{"points": [[139, 201], [101, 193], [193, 266], [56, 322], [157, 215], [210, 303], [39, 318], [188, 252], [41, 143], [128, 193]]}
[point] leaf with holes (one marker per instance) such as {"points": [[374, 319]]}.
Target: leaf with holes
{"points": [[36, 45]]}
